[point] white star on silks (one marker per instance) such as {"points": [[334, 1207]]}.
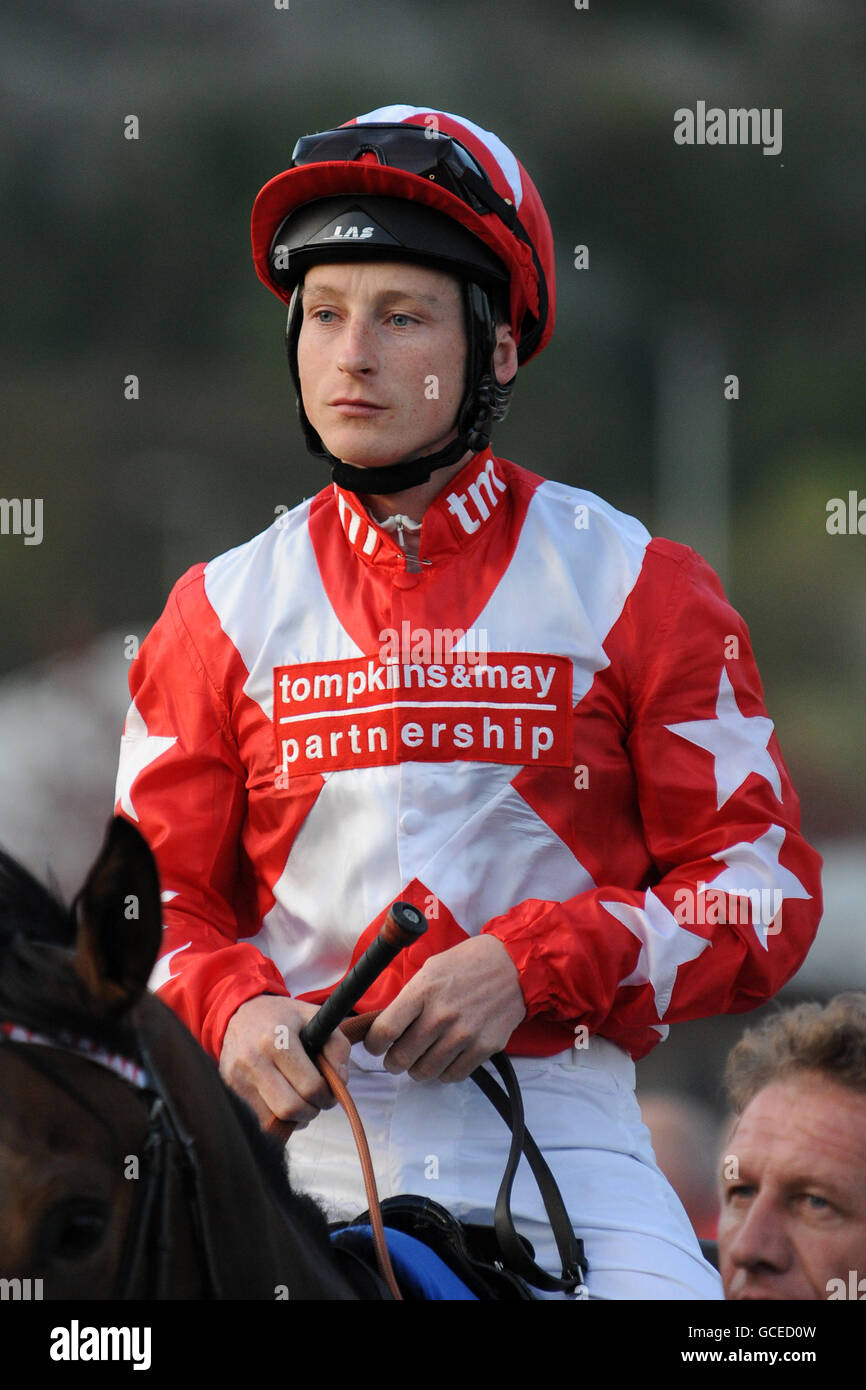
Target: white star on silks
{"points": [[758, 860], [161, 973], [665, 946], [737, 742], [138, 749]]}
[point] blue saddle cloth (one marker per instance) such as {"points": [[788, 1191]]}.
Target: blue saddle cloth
{"points": [[418, 1270]]}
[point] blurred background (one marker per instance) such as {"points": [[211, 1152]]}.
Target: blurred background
{"points": [[130, 257]]}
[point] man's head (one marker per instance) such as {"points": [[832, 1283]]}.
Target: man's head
{"points": [[415, 189], [793, 1222]]}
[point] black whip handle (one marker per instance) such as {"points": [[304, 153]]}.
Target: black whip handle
{"points": [[403, 926]]}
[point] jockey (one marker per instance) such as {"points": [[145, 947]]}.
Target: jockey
{"points": [[447, 680]]}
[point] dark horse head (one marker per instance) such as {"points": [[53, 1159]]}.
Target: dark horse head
{"points": [[127, 1168]]}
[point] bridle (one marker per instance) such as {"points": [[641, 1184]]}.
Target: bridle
{"points": [[168, 1151]]}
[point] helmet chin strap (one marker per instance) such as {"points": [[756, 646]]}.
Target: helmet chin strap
{"points": [[398, 477]]}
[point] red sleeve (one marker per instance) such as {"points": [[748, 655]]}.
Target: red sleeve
{"points": [[181, 781], [700, 935]]}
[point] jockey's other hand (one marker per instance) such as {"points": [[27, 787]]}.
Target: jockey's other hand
{"points": [[460, 1008]]}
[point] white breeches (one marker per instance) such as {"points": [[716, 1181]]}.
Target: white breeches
{"points": [[445, 1141]]}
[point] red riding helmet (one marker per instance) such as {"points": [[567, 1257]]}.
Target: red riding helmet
{"points": [[404, 182]]}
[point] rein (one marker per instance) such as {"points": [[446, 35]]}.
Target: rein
{"points": [[508, 1103]]}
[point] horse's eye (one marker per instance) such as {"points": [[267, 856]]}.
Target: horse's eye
{"points": [[73, 1229]]}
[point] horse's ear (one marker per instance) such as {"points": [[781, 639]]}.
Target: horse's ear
{"points": [[119, 922]]}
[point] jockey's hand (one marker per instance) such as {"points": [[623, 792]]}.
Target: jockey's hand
{"points": [[264, 1061], [460, 1008]]}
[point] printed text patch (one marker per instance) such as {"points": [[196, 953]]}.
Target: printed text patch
{"points": [[511, 707]]}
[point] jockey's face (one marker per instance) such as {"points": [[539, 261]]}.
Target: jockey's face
{"points": [[382, 359], [793, 1222]]}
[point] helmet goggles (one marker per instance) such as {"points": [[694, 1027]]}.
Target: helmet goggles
{"points": [[438, 157]]}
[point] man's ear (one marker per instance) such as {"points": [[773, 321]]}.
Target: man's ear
{"points": [[505, 354]]}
